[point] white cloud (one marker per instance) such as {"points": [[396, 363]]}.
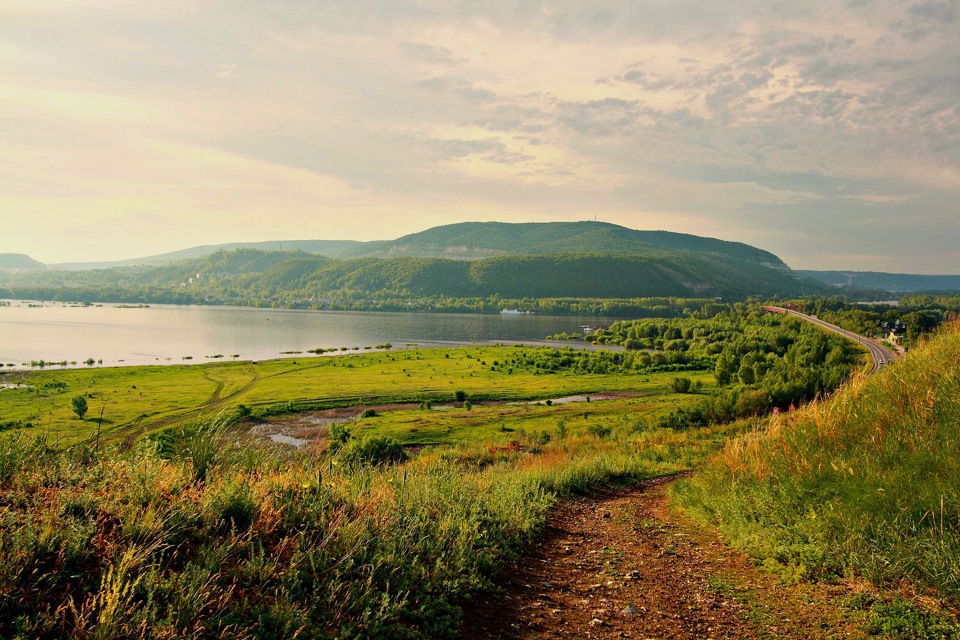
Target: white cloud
{"points": [[736, 118]]}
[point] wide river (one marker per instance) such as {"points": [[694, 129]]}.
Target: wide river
{"points": [[174, 334]]}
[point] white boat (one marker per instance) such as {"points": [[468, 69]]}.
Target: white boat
{"points": [[514, 312]]}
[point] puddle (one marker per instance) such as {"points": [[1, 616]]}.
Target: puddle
{"points": [[281, 438]]}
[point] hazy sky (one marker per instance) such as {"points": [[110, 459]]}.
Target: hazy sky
{"points": [[824, 131]]}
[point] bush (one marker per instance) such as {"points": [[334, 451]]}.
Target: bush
{"points": [[375, 450], [369, 413], [599, 431], [681, 385]]}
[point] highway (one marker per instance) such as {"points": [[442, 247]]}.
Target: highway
{"points": [[881, 355]]}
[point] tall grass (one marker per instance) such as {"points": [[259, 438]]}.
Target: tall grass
{"points": [[158, 542], [865, 483]]}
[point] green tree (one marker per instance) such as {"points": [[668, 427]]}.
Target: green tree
{"points": [[79, 404], [746, 374], [722, 371]]}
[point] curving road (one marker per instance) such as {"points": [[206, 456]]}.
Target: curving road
{"points": [[881, 355]]}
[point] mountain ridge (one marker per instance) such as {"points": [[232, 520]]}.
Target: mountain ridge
{"points": [[478, 240]]}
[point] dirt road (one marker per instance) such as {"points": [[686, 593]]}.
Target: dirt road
{"points": [[622, 564]]}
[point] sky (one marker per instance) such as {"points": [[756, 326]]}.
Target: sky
{"points": [[825, 131]]}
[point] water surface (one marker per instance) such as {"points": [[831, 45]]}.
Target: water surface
{"points": [[173, 334]]}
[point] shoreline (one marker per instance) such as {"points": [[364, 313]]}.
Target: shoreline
{"points": [[23, 368]]}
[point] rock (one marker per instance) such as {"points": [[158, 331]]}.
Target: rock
{"points": [[633, 575], [630, 610], [597, 622]]}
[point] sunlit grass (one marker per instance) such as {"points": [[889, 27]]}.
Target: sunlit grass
{"points": [[135, 400], [865, 483], [106, 542]]}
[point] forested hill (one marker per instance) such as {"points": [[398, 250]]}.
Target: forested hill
{"points": [[894, 282], [248, 276], [475, 240], [18, 262]]}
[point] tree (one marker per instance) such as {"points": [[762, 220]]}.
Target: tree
{"points": [[746, 374], [722, 371], [79, 404]]}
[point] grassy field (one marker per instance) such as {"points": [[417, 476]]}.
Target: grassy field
{"points": [[866, 483], [208, 540], [136, 400], [195, 535]]}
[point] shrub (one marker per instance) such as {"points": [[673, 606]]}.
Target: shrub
{"points": [[599, 431], [79, 405], [339, 435], [681, 385], [232, 506], [376, 450]]}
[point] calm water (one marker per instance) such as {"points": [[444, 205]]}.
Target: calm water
{"points": [[166, 334]]}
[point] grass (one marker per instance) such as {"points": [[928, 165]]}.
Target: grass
{"points": [[866, 483], [506, 422], [136, 542], [135, 400], [194, 535]]}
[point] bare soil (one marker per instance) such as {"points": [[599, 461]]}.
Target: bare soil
{"points": [[620, 563]]}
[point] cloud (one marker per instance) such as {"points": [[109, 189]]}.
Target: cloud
{"points": [[758, 121]]}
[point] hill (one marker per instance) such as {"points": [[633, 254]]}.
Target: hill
{"points": [[18, 262], [246, 275], [475, 240], [865, 483], [892, 282], [472, 240]]}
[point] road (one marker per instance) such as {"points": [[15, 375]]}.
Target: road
{"points": [[881, 355]]}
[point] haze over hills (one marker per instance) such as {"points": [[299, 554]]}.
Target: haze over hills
{"points": [[893, 282], [18, 262]]}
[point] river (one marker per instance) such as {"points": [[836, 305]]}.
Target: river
{"points": [[113, 334]]}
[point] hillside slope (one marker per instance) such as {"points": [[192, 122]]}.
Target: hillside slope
{"points": [[865, 483], [251, 274], [894, 282], [475, 240], [483, 239]]}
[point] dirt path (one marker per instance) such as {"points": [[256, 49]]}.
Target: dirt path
{"points": [[622, 564]]}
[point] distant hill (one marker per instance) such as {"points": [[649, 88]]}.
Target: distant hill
{"points": [[892, 282], [466, 260], [18, 262], [473, 240], [332, 248], [476, 240], [252, 275]]}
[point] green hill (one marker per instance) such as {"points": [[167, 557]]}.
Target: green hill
{"points": [[476, 240], [467, 260], [865, 483], [893, 282], [249, 274], [18, 262], [471, 240]]}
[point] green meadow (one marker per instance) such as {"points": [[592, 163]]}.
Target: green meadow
{"points": [[137, 400], [172, 524], [186, 533]]}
